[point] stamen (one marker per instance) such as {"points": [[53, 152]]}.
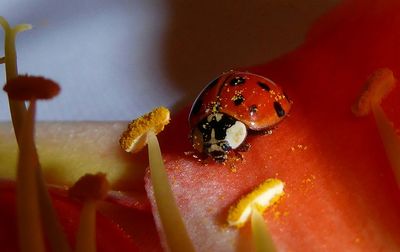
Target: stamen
{"points": [[172, 222], [143, 131], [254, 204], [28, 210], [261, 238], [265, 195], [89, 189], [17, 108], [10, 52], [135, 137], [36, 199], [377, 87], [23, 122]]}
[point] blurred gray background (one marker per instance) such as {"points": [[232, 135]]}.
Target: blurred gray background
{"points": [[117, 59]]}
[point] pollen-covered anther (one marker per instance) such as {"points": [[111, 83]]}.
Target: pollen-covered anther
{"points": [[378, 85], [90, 187], [26, 87], [265, 195], [135, 137]]}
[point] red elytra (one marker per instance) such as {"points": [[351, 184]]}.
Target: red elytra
{"points": [[252, 99]]}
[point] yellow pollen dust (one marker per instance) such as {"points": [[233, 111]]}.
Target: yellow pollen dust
{"points": [[279, 97], [135, 137], [299, 147], [238, 95], [262, 197], [215, 107]]}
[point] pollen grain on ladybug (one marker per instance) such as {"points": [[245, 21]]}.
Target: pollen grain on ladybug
{"points": [[215, 107], [212, 107], [280, 97], [222, 126]]}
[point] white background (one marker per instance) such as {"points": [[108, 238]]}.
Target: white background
{"points": [[117, 59]]}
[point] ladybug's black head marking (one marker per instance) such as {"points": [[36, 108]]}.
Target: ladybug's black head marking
{"points": [[215, 126], [217, 134]]}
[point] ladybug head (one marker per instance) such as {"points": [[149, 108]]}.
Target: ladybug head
{"points": [[217, 134]]}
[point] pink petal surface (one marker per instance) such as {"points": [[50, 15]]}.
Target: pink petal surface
{"points": [[340, 191]]}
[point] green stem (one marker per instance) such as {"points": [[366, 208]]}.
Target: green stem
{"points": [[18, 114], [390, 139], [261, 237], [52, 226], [172, 223], [29, 225], [86, 236]]}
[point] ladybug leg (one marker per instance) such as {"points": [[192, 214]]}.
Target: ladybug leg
{"points": [[262, 132], [235, 156], [199, 156], [266, 132], [243, 147]]}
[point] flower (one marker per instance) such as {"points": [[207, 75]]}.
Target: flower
{"points": [[340, 190]]}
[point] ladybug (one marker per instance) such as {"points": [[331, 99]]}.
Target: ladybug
{"points": [[231, 106]]}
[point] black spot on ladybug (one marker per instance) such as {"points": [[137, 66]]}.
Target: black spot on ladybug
{"points": [[238, 99], [237, 81], [197, 105], [253, 109], [222, 125], [264, 86], [278, 109]]}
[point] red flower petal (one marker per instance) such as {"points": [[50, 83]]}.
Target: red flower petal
{"points": [[135, 231], [341, 194]]}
